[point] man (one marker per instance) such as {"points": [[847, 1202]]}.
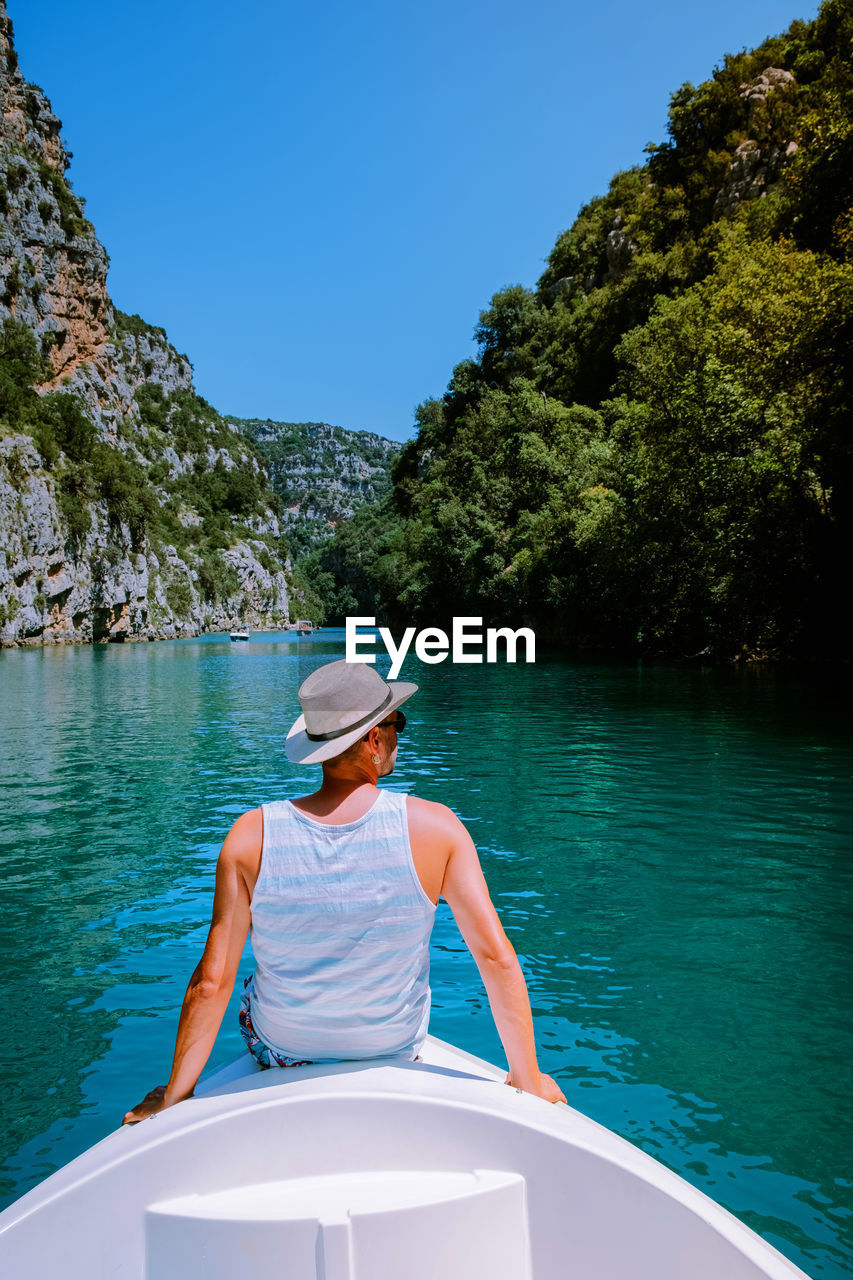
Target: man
{"points": [[339, 890]]}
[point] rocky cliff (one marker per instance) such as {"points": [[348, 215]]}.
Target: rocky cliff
{"points": [[129, 509], [321, 474]]}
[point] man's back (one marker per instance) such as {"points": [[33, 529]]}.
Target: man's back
{"points": [[433, 831], [340, 933]]}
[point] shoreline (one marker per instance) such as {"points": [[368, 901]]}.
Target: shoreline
{"points": [[738, 662], [192, 633]]}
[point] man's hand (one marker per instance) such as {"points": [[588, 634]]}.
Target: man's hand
{"points": [[149, 1106], [548, 1088]]}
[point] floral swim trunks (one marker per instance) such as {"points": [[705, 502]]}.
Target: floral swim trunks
{"points": [[262, 1053]]}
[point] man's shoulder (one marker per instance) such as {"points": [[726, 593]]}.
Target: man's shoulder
{"points": [[431, 817], [244, 841]]}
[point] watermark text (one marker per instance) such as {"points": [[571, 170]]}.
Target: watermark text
{"points": [[433, 645]]}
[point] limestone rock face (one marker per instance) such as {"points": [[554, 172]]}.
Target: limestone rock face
{"points": [[321, 473], [53, 270], [74, 566], [758, 90], [756, 169], [52, 592], [620, 250]]}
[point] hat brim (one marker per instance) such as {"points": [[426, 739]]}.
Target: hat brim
{"points": [[301, 749]]}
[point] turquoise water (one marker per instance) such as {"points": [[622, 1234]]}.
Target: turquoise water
{"points": [[669, 850]]}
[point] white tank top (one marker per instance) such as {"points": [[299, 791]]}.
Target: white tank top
{"points": [[340, 931]]}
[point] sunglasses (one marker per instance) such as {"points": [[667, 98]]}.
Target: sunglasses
{"points": [[399, 724]]}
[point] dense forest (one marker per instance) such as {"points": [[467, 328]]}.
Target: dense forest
{"points": [[652, 451]]}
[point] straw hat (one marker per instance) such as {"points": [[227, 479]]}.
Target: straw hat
{"points": [[340, 702]]}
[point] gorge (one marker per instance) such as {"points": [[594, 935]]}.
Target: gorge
{"points": [[129, 508]]}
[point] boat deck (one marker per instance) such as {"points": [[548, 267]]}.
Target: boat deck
{"points": [[432, 1170]]}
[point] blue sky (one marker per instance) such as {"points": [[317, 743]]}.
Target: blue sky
{"points": [[317, 200]]}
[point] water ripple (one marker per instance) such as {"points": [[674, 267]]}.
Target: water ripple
{"points": [[669, 850]]}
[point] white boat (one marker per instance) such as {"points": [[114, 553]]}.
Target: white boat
{"points": [[239, 635], [304, 628], [385, 1170]]}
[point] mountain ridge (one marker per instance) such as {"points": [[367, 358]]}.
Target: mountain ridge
{"points": [[129, 508], [322, 474]]}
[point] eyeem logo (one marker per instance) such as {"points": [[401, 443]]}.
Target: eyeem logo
{"points": [[432, 644]]}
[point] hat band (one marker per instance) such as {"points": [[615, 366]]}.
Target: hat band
{"points": [[339, 733]]}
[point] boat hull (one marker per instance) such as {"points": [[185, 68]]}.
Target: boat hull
{"points": [[352, 1171]]}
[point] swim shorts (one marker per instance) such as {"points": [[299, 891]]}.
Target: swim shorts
{"points": [[262, 1053]]}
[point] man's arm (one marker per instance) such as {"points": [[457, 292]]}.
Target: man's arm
{"points": [[211, 985], [467, 895]]}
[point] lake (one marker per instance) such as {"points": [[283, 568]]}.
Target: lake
{"points": [[669, 849]]}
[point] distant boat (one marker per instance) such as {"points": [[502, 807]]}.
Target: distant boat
{"points": [[304, 628], [239, 635]]}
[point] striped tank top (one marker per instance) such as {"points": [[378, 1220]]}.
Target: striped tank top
{"points": [[340, 931]]}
